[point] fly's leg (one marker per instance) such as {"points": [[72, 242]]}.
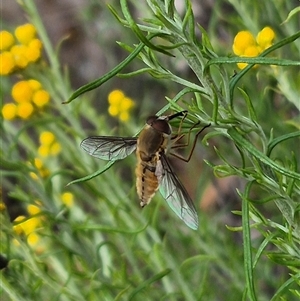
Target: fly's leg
{"points": [[178, 137]]}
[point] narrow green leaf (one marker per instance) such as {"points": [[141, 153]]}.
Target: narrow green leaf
{"points": [[13, 165], [137, 30], [253, 60], [285, 286], [148, 282], [292, 13], [205, 41], [247, 245], [93, 175], [280, 139], [189, 22], [110, 229], [116, 15], [261, 248], [245, 144], [250, 107], [98, 82], [135, 73]]}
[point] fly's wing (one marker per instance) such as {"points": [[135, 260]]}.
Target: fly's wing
{"points": [[176, 195], [109, 148]]}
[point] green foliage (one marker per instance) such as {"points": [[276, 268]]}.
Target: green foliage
{"points": [[104, 247]]}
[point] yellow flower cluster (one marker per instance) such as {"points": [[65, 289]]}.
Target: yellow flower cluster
{"points": [[28, 226], [119, 105], [28, 95], [245, 45], [49, 146], [16, 56], [42, 170]]}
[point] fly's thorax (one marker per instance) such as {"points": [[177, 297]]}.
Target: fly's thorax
{"points": [[154, 137], [150, 142]]}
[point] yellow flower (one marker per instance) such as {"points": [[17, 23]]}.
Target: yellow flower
{"points": [[40, 98], [245, 45], [18, 227], [47, 138], [265, 37], [113, 110], [24, 110], [9, 111], [68, 199], [241, 41], [33, 52], [28, 226], [252, 51], [43, 171], [55, 149], [7, 63], [6, 40], [33, 209], [31, 224], [115, 97], [33, 238], [25, 33], [124, 116], [242, 65], [44, 150], [22, 92], [119, 105], [34, 84], [19, 54], [33, 175], [38, 163], [26, 93], [126, 104], [49, 145], [36, 43]]}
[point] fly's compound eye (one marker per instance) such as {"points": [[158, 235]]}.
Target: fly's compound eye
{"points": [[162, 126], [151, 120]]}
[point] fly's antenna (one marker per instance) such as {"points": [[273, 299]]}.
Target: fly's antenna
{"points": [[182, 113]]}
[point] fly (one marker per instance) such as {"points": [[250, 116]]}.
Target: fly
{"points": [[153, 170]]}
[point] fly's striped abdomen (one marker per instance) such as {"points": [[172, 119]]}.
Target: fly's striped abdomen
{"points": [[146, 181]]}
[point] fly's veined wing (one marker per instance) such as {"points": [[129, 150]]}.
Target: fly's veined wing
{"points": [[109, 148], [176, 196]]}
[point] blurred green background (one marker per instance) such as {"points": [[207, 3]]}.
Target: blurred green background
{"points": [[105, 247]]}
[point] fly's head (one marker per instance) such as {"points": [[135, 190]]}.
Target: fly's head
{"points": [[160, 124]]}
